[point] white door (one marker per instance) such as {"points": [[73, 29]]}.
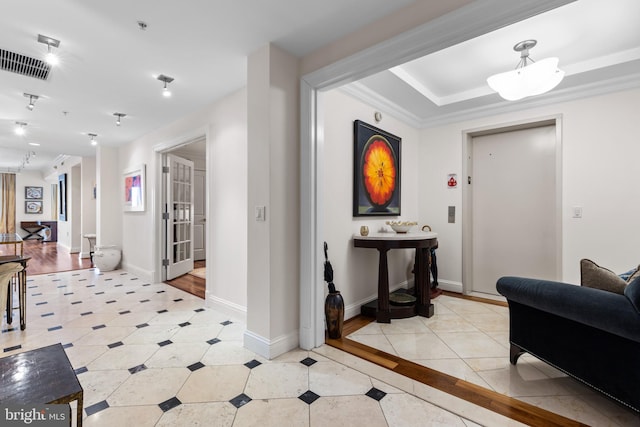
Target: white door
{"points": [[179, 251], [513, 198], [199, 200]]}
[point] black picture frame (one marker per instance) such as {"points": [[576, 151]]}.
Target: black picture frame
{"points": [[62, 197], [32, 193], [33, 206], [376, 171]]}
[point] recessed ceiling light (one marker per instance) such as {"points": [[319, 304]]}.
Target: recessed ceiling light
{"points": [[35, 144]]}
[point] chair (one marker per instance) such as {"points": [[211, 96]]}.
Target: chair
{"points": [[7, 271]]}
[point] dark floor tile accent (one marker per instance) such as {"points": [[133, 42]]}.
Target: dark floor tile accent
{"points": [[9, 330], [142, 325], [96, 407], [32, 287], [61, 286], [147, 284], [46, 315], [159, 292], [134, 278], [125, 312], [98, 327], [308, 361], [106, 280], [86, 313], [82, 280], [41, 303], [15, 347], [240, 400], [226, 322], [213, 341], [182, 325], [75, 274], [118, 285], [162, 311], [54, 328], [252, 364], [169, 404], [144, 300], [81, 370], [177, 300], [76, 302], [198, 310], [69, 293], [166, 342], [91, 286], [131, 292], [376, 394], [68, 345], [111, 301], [137, 369], [115, 344], [308, 397], [55, 280], [100, 293], [36, 295], [195, 366], [124, 273]]}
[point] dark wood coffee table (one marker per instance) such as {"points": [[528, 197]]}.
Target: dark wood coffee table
{"points": [[43, 375]]}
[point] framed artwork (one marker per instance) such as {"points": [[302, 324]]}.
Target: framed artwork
{"points": [[134, 189], [62, 197], [376, 171], [33, 206], [33, 193]]}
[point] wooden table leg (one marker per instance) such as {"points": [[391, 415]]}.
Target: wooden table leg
{"points": [[79, 410], [421, 277], [383, 315], [22, 297]]}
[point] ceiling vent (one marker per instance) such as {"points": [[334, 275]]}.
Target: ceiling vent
{"points": [[25, 65]]}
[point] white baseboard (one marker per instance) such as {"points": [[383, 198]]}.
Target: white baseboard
{"points": [[270, 349], [226, 307], [142, 274], [451, 286]]}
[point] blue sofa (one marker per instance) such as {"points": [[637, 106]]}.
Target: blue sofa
{"points": [[590, 334]]}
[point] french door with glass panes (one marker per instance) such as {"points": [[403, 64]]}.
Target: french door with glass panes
{"points": [[178, 216]]}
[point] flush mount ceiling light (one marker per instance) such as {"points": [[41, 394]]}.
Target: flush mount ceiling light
{"points": [[119, 117], [32, 100], [20, 128], [50, 58], [93, 138], [529, 77], [166, 79]]}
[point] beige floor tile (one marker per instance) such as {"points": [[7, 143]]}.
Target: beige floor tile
{"points": [[139, 416], [407, 410], [334, 379], [98, 385], [149, 387], [277, 380], [177, 355], [347, 411], [273, 413], [472, 344], [423, 346], [123, 357], [214, 384], [211, 414]]}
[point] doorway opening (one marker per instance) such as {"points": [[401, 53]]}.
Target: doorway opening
{"points": [[184, 204]]}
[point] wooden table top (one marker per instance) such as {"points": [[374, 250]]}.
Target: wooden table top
{"points": [[43, 375]]}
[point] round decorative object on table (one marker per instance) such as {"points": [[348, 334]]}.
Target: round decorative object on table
{"points": [[334, 314], [401, 226], [107, 258], [364, 230]]}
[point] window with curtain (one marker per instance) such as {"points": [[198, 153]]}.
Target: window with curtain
{"points": [[8, 192]]}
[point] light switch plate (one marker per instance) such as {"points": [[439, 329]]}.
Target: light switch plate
{"points": [[260, 213], [452, 214]]}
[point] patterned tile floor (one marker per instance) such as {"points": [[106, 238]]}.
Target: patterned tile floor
{"points": [[148, 354], [470, 340]]}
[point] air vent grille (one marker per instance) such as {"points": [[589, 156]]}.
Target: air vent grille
{"points": [[25, 65]]}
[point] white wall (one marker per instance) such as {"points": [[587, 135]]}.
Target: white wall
{"points": [[599, 160], [88, 214], [356, 269], [224, 123]]}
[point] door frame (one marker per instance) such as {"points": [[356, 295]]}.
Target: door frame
{"points": [[158, 196], [470, 21], [467, 189]]}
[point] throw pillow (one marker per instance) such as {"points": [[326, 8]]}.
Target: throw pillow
{"points": [[635, 275], [594, 276]]}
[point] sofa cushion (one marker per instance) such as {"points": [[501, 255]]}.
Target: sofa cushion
{"points": [[632, 292], [594, 276]]}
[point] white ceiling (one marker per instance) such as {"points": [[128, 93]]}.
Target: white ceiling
{"points": [[109, 65]]}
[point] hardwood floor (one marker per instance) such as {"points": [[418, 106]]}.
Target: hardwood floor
{"points": [[188, 283], [504, 405], [47, 257]]}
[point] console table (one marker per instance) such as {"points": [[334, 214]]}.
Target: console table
{"points": [[22, 289], [43, 375], [12, 239], [45, 231], [422, 242]]}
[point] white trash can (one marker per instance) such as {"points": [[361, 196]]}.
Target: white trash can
{"points": [[106, 258]]}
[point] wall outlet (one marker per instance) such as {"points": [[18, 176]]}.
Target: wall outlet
{"points": [[261, 213], [577, 211]]}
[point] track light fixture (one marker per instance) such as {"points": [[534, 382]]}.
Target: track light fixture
{"points": [[20, 128], [32, 100], [50, 58], [166, 79], [93, 138], [119, 117]]}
